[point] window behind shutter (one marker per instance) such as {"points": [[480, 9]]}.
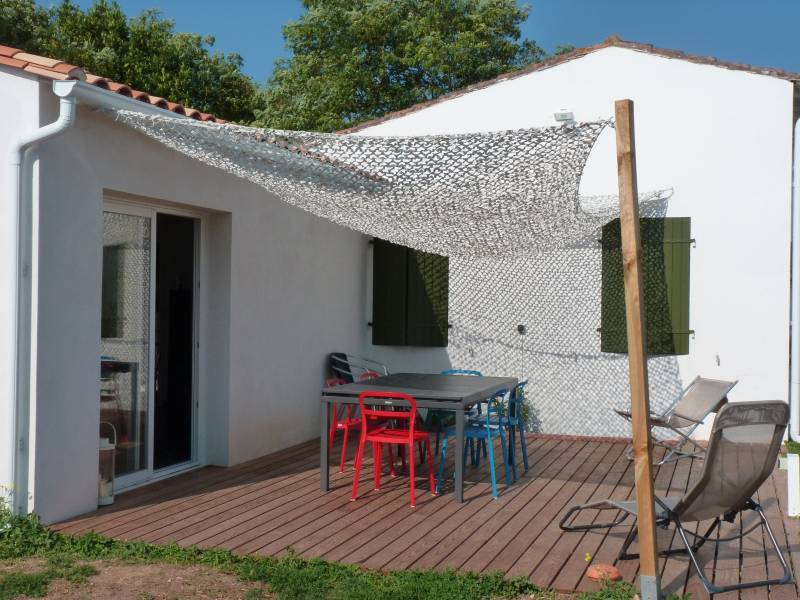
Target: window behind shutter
{"points": [[409, 296], [389, 294], [665, 278], [427, 299]]}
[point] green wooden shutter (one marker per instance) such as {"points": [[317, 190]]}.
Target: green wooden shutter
{"points": [[665, 278], [389, 293], [428, 283]]}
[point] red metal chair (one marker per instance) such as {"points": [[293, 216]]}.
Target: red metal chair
{"points": [[405, 409], [346, 423]]}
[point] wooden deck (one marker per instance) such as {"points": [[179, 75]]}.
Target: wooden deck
{"points": [[272, 504]]}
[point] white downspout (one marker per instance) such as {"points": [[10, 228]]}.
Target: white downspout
{"points": [[18, 307], [794, 352]]}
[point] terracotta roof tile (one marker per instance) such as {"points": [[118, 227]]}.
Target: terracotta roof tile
{"points": [[42, 61], [8, 51], [12, 62], [612, 42], [117, 88], [36, 69], [56, 69]]}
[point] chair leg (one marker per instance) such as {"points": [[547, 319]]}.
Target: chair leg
{"points": [[357, 468], [505, 455], [483, 445], [411, 474], [491, 467], [512, 451], [391, 460], [438, 436], [376, 465], [344, 449], [441, 467], [523, 444], [421, 449], [431, 485]]}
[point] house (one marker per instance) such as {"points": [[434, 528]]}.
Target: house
{"points": [[194, 312]]}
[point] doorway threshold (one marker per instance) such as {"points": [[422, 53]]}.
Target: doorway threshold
{"points": [[164, 473]]}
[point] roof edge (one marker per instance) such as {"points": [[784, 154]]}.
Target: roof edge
{"points": [[613, 41]]}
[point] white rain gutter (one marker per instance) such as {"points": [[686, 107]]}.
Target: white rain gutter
{"points": [[18, 307], [19, 250], [794, 351]]}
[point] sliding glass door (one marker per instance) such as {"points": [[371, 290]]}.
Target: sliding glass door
{"points": [[125, 339], [147, 328]]}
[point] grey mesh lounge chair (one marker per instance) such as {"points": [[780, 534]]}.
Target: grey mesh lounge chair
{"points": [[700, 399], [741, 455]]}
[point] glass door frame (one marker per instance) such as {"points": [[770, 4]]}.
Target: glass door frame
{"points": [[148, 474]]}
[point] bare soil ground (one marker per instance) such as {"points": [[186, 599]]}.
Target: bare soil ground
{"points": [[136, 581]]}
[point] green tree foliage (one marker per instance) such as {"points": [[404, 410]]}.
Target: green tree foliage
{"points": [[22, 24], [144, 52], [353, 60]]}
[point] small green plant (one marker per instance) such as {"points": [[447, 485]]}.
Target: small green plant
{"points": [[792, 447]]}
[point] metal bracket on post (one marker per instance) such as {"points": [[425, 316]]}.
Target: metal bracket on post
{"points": [[650, 587]]}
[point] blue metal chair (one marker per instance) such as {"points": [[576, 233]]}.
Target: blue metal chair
{"points": [[483, 432], [438, 420], [514, 421]]}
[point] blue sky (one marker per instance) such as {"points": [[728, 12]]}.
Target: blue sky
{"points": [[759, 32]]}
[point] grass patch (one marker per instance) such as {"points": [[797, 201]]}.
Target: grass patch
{"points": [[289, 578], [17, 583], [792, 447]]}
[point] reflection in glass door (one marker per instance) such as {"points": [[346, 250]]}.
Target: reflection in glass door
{"points": [[125, 333]]}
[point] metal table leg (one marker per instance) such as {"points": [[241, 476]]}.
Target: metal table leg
{"points": [[325, 418], [459, 456]]}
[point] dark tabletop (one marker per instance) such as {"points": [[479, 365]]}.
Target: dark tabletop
{"points": [[425, 388]]}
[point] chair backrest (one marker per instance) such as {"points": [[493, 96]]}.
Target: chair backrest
{"points": [[741, 455], [462, 372], [516, 399], [703, 396], [350, 367], [495, 406], [399, 407]]}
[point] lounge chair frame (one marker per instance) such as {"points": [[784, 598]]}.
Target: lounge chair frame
{"points": [[672, 510], [681, 424]]}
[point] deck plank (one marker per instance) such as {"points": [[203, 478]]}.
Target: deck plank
{"points": [[588, 542], [548, 550]]}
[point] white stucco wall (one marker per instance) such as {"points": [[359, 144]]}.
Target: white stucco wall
{"points": [[283, 288], [20, 113], [722, 140]]}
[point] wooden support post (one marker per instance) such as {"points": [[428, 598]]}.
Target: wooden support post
{"points": [[637, 350]]}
